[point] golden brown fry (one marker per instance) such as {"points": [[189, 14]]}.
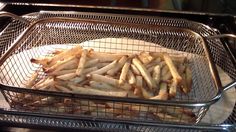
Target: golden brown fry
{"points": [[32, 80], [145, 57], [131, 77], [58, 51], [82, 62], [104, 57], [91, 62], [119, 65], [135, 69], [67, 76], [146, 75], [105, 68], [124, 73], [90, 91], [141, 91], [172, 68]]}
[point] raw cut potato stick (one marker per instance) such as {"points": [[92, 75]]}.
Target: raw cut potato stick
{"points": [[104, 57], [110, 81], [145, 57], [172, 68], [82, 62], [105, 68], [90, 91], [119, 65], [163, 92], [66, 76], [146, 75], [124, 73], [32, 80], [131, 77], [65, 54], [135, 69], [102, 64], [91, 62]]}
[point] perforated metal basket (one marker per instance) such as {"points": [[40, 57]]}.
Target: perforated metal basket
{"points": [[178, 38]]}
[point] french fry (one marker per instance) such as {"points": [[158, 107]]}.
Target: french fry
{"points": [[173, 89], [135, 69], [164, 70], [154, 62], [82, 62], [145, 57], [131, 77], [188, 78], [181, 68], [46, 83], [102, 86], [102, 64], [77, 80], [62, 88], [146, 75], [58, 51], [62, 72], [139, 84], [90, 69], [110, 81], [150, 69], [119, 65], [105, 68], [163, 93], [41, 61], [104, 57], [90, 91], [67, 76], [65, 54], [32, 80], [172, 68], [61, 64], [91, 62], [166, 77], [124, 73], [157, 74]]}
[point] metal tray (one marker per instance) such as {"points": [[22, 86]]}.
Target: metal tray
{"points": [[198, 108]]}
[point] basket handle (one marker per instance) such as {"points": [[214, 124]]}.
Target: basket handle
{"points": [[232, 56], [7, 14]]}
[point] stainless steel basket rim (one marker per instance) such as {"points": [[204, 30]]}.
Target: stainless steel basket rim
{"points": [[212, 67]]}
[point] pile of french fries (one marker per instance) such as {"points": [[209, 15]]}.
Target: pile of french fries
{"points": [[147, 75]]}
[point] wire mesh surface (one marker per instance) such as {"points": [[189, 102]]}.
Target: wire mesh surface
{"points": [[217, 51], [16, 70]]}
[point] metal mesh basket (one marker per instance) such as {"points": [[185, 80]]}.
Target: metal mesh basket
{"points": [[187, 43]]}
